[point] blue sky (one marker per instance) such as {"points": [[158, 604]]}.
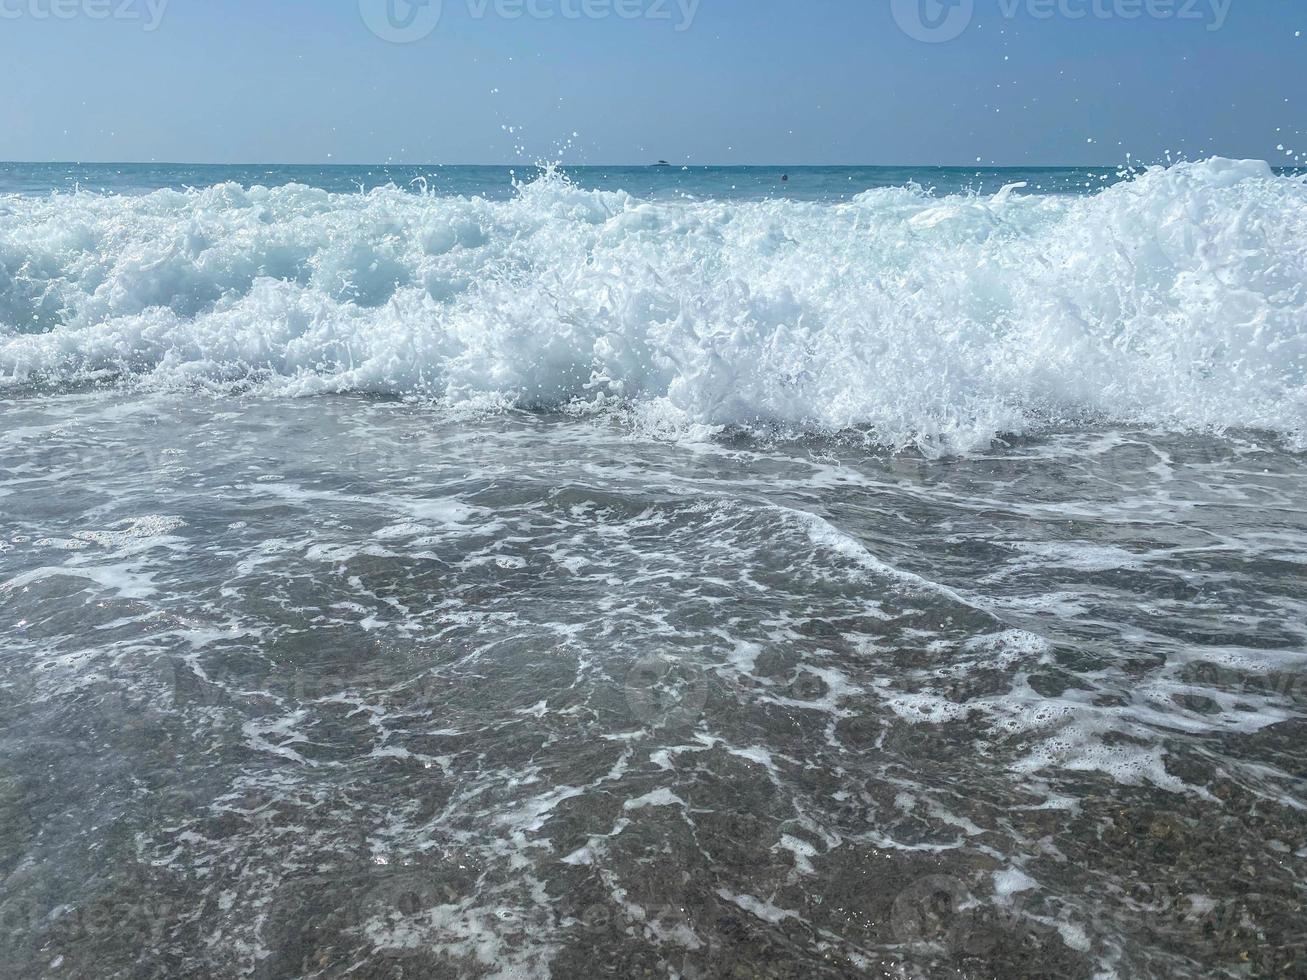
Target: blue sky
{"points": [[741, 81]]}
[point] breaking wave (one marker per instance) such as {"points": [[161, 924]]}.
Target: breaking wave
{"points": [[1177, 298]]}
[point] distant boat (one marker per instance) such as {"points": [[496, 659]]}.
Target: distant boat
{"points": [[662, 163]]}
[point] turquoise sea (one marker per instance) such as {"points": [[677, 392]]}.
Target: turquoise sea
{"points": [[731, 183]]}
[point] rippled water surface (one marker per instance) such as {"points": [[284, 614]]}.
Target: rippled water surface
{"points": [[349, 687]]}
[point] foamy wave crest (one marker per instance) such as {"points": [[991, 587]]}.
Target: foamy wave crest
{"points": [[1178, 298]]}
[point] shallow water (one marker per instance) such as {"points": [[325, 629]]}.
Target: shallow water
{"points": [[361, 687], [682, 574]]}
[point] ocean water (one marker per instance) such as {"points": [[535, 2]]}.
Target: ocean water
{"points": [[828, 184], [449, 572]]}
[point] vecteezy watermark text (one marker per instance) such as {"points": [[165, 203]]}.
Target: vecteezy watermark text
{"points": [[405, 21], [937, 21], [149, 13]]}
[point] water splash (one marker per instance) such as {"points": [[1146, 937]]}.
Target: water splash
{"points": [[1178, 298]]}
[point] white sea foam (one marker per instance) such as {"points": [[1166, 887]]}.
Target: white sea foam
{"points": [[1177, 298]]}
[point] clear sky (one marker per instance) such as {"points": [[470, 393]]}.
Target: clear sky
{"points": [[740, 81]]}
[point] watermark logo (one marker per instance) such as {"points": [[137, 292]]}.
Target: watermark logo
{"points": [[401, 21], [933, 910], [406, 21], [933, 21], [666, 693], [147, 13], [938, 21]]}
